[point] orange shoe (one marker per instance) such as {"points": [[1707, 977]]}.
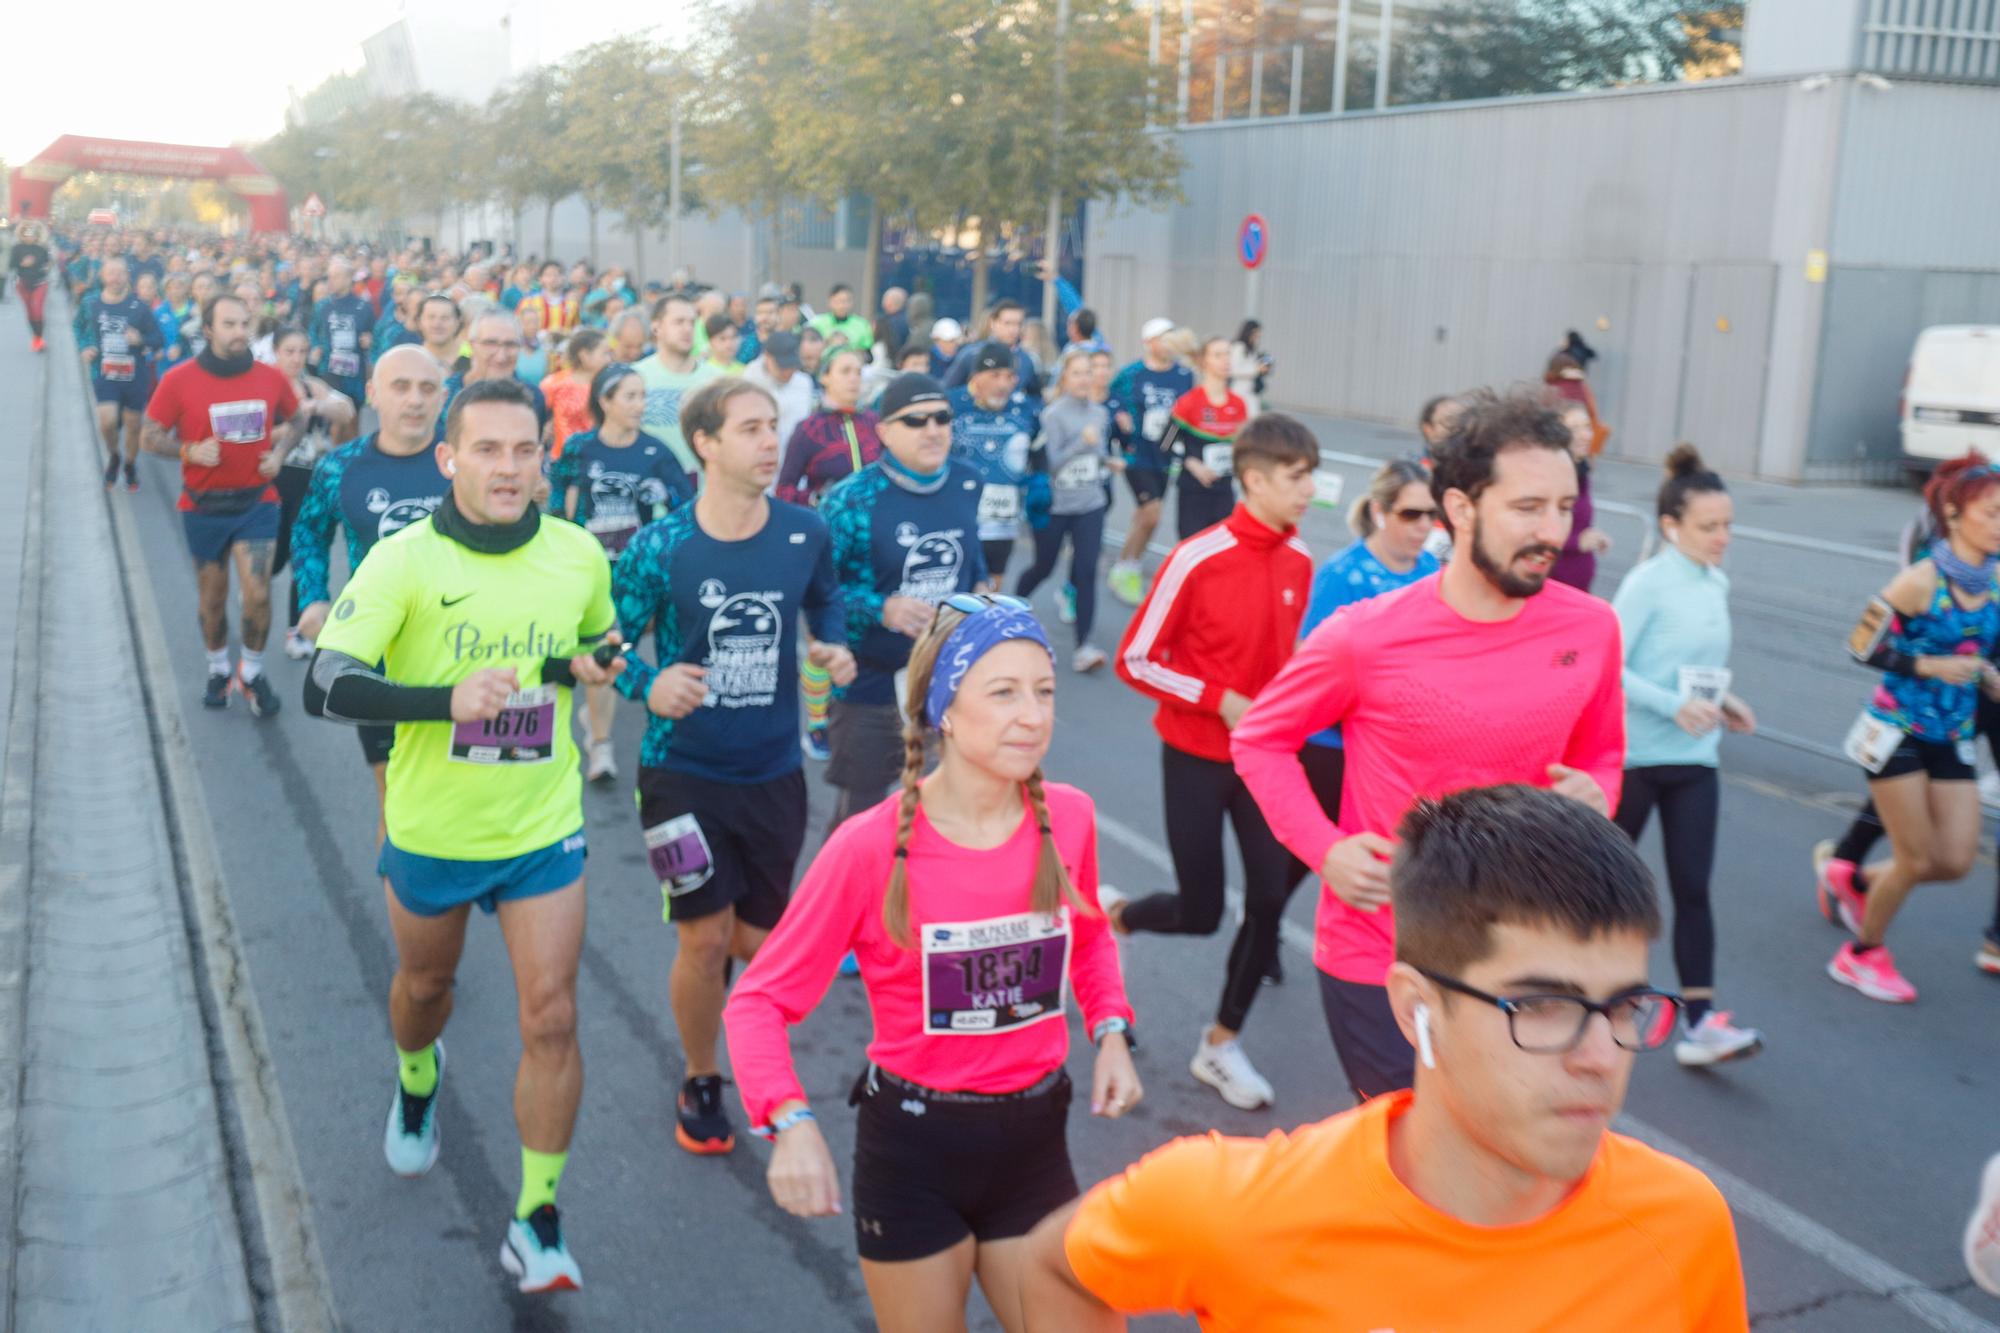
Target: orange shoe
{"points": [[703, 1126]]}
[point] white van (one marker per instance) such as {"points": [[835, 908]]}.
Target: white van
{"points": [[1951, 394]]}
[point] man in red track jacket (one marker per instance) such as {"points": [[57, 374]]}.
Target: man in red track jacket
{"points": [[1221, 619]]}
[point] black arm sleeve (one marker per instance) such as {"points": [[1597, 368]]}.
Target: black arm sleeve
{"points": [[556, 671], [345, 689], [1891, 660]]}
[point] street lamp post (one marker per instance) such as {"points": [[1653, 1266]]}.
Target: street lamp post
{"points": [[1052, 237]]}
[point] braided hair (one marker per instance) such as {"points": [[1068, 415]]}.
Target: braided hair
{"points": [[1052, 884]]}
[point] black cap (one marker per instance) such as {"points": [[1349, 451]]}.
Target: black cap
{"points": [[993, 356], [783, 349], [908, 389]]}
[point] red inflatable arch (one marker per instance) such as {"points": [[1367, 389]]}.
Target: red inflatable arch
{"points": [[34, 182]]}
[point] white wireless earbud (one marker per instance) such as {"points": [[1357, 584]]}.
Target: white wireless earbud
{"points": [[450, 468], [1424, 1051]]}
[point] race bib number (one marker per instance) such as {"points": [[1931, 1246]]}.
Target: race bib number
{"points": [[678, 852], [613, 530], [1081, 471], [523, 733], [1870, 741], [1218, 458], [999, 503], [1708, 684], [246, 421], [987, 977], [345, 364], [116, 367], [1154, 424]]}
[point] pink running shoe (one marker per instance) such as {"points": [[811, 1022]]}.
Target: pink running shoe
{"points": [[1873, 973], [1837, 899]]}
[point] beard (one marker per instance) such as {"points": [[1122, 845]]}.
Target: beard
{"points": [[1500, 573]]}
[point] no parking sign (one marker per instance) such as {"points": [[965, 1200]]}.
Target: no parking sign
{"points": [[1253, 241]]}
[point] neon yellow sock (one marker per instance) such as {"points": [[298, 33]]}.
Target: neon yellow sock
{"points": [[419, 1070], [816, 687], [540, 1172]]}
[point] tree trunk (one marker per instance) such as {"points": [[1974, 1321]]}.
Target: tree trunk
{"points": [[548, 229], [871, 263], [593, 233], [777, 273], [638, 230]]}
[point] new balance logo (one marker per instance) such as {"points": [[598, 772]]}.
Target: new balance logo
{"points": [[1566, 658]]}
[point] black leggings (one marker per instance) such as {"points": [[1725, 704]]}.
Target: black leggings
{"points": [[1085, 534], [1204, 506], [1199, 793], [292, 483], [1689, 797]]}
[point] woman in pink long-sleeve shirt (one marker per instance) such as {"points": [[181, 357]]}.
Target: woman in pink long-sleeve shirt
{"points": [[970, 902]]}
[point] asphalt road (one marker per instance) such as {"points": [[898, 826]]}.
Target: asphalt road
{"points": [[1850, 1145]]}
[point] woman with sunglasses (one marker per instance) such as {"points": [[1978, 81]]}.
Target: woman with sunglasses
{"points": [[970, 899], [611, 480]]}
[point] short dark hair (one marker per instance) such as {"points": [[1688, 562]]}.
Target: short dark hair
{"points": [[208, 311], [1511, 855], [425, 304], [1490, 425], [1002, 307], [1274, 440], [707, 408], [837, 289], [914, 349], [716, 323], [1429, 414], [1085, 320], [660, 306], [507, 390]]}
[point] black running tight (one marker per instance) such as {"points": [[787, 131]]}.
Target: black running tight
{"points": [[1688, 797]]}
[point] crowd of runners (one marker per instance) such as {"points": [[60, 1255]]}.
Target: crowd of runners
{"points": [[790, 536]]}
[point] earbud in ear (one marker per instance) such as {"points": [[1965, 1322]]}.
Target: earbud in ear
{"points": [[1424, 1050], [450, 468]]}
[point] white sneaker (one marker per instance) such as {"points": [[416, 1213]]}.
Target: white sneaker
{"points": [[603, 762], [1226, 1069], [411, 1140], [1716, 1039], [1087, 659], [1982, 1232], [535, 1254], [296, 648]]}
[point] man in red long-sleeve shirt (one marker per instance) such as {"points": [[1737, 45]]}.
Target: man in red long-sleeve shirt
{"points": [[1221, 618], [1481, 674]]}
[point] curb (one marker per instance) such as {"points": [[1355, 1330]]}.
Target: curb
{"points": [[293, 1293]]}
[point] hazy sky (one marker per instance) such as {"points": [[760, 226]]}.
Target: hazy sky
{"points": [[217, 72]]}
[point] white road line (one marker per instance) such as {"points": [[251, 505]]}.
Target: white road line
{"points": [[1845, 1258], [1770, 535]]}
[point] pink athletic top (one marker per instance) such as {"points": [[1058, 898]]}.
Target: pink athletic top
{"points": [[1429, 703], [978, 1005]]}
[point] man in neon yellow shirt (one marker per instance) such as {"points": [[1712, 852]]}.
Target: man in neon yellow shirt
{"points": [[839, 317], [469, 631]]}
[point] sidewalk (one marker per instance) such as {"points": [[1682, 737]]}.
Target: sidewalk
{"points": [[121, 1180]]}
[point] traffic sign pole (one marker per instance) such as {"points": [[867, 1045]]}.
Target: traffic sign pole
{"points": [[1253, 243]]}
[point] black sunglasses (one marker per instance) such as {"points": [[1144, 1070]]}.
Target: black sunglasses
{"points": [[1412, 515], [918, 420], [1641, 1019]]}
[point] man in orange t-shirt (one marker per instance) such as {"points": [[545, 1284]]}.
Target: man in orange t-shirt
{"points": [[1489, 1198]]}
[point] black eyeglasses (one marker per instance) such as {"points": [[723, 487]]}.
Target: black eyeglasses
{"points": [[1641, 1019], [972, 603], [1415, 515], [917, 421]]}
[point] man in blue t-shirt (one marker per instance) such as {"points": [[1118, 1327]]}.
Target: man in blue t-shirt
{"points": [[905, 537], [116, 336], [1142, 401], [992, 427], [723, 583], [342, 330]]}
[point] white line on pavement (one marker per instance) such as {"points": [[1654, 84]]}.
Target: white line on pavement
{"points": [[1769, 535], [1844, 1257]]}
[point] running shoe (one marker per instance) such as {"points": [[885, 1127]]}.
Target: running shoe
{"points": [[111, 472], [1066, 604], [603, 762], [1274, 973], [132, 478], [1982, 1231], [1087, 659], [1229, 1071], [1873, 973], [1988, 957], [535, 1254], [263, 700], [1715, 1039], [296, 648], [411, 1140], [216, 693], [703, 1125], [815, 744], [1835, 879], [36, 343], [1127, 584]]}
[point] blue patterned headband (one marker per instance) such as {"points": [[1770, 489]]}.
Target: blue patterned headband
{"points": [[983, 630]]}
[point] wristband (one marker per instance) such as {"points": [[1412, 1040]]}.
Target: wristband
{"points": [[789, 1120], [1106, 1026]]}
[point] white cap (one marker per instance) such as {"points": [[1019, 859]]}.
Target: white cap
{"points": [[947, 330], [1154, 328]]}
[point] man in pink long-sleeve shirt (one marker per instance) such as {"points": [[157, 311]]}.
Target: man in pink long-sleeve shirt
{"points": [[1484, 673]]}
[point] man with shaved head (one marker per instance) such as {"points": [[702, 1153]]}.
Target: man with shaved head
{"points": [[342, 328], [116, 336], [376, 485]]}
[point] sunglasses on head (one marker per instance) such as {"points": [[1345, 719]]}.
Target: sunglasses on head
{"points": [[917, 420], [972, 603]]}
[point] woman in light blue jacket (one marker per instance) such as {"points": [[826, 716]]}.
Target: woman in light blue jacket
{"points": [[1674, 612]]}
